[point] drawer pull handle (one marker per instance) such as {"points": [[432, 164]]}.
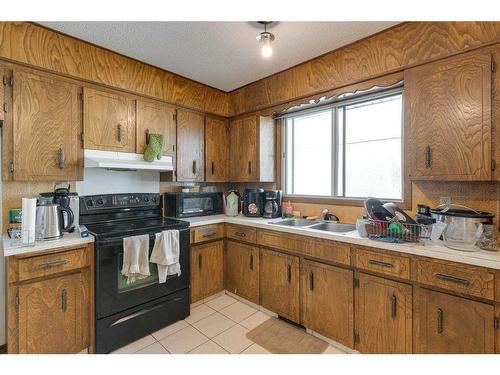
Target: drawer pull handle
{"points": [[199, 261], [120, 133], [63, 300], [380, 263], [428, 156], [251, 262], [452, 279], [311, 280], [289, 273], [394, 306], [60, 158], [439, 321], [240, 234], [44, 266], [210, 234]]}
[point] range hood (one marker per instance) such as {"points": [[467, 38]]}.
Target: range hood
{"points": [[125, 161]]}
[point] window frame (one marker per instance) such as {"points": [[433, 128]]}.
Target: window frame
{"points": [[334, 105]]}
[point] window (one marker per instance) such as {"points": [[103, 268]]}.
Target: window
{"points": [[348, 149]]}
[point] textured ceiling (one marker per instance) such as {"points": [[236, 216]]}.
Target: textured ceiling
{"points": [[224, 55]]}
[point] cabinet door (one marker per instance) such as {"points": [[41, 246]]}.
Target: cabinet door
{"points": [[216, 150], [190, 146], [207, 275], [2, 94], [54, 315], [242, 270], [108, 121], [155, 118], [450, 324], [383, 316], [327, 301], [497, 326], [46, 129], [449, 115], [244, 149], [280, 283]]}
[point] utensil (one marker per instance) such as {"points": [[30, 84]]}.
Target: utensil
{"points": [[376, 210]]}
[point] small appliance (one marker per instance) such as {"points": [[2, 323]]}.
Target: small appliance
{"points": [[182, 205], [272, 206], [253, 202], [49, 222], [63, 197]]}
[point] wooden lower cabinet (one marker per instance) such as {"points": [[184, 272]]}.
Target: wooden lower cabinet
{"points": [[328, 301], [53, 315], [280, 283], [207, 265], [450, 324], [242, 270], [383, 315], [497, 327]]}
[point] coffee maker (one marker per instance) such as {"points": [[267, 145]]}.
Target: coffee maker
{"points": [[253, 202], [272, 205]]}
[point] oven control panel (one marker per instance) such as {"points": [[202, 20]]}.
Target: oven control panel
{"points": [[117, 201]]}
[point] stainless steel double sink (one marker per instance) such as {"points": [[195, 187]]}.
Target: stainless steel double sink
{"points": [[327, 226]]}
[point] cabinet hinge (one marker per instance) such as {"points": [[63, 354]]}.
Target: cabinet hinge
{"points": [[493, 165], [16, 300], [5, 80], [11, 167], [8, 81], [5, 107], [496, 323], [355, 282], [356, 337]]}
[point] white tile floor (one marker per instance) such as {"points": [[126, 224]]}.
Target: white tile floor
{"points": [[215, 326]]}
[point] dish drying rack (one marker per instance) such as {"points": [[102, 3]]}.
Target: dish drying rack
{"points": [[395, 231]]}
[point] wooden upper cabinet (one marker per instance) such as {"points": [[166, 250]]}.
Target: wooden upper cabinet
{"points": [[54, 315], [448, 110], [383, 316], [328, 301], [108, 121], [252, 149], [2, 94], [153, 117], [207, 275], [216, 150], [242, 270], [46, 129], [190, 146], [450, 324], [280, 283]]}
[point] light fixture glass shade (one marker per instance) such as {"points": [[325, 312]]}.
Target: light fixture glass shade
{"points": [[266, 50], [265, 39]]}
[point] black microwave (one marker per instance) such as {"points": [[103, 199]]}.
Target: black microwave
{"points": [[192, 204]]}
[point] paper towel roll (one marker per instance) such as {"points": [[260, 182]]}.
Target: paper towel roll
{"points": [[28, 219]]}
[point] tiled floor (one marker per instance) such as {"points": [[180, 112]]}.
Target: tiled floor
{"points": [[216, 326]]}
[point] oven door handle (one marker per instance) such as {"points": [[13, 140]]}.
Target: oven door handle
{"points": [[142, 312]]}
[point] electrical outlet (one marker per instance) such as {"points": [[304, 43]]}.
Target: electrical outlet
{"points": [[444, 201]]}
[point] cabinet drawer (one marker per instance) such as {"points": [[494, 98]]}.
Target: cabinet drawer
{"points": [[308, 246], [38, 266], [241, 233], [374, 261], [208, 233], [471, 280]]}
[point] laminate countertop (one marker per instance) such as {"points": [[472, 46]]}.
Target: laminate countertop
{"points": [[480, 258], [12, 247]]}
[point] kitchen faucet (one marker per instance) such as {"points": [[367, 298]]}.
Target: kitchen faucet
{"points": [[327, 216]]}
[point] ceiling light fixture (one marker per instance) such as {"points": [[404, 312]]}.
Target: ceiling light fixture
{"points": [[265, 38]]}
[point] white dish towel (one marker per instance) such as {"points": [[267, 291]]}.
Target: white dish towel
{"points": [[135, 257], [166, 254]]}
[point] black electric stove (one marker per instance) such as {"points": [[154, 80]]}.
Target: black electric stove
{"points": [[126, 312]]}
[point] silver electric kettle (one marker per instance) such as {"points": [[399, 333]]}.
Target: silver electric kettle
{"points": [[49, 223]]}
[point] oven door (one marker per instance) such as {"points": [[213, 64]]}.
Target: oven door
{"points": [[114, 295]]}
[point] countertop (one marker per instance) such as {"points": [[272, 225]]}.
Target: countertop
{"points": [[13, 247], [479, 258]]}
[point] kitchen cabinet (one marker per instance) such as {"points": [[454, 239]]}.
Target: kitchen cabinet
{"points": [[383, 316], [252, 149], [153, 117], [50, 301], [207, 265], [242, 270], [448, 108], [108, 121], [328, 301], [190, 146], [216, 150], [3, 104], [280, 283], [451, 324], [497, 328], [46, 129]]}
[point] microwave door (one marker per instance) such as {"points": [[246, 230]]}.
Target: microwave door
{"points": [[197, 205]]}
